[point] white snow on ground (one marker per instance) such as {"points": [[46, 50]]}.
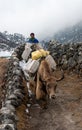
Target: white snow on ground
{"points": [[5, 53]]}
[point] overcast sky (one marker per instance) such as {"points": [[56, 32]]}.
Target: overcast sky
{"points": [[43, 17]]}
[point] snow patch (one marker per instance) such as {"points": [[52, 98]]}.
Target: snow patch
{"points": [[5, 53]]}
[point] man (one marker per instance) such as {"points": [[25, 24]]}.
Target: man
{"points": [[33, 39]]}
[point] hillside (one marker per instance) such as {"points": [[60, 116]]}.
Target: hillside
{"points": [[10, 41], [72, 34]]}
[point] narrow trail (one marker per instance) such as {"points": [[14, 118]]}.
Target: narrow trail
{"points": [[63, 113]]}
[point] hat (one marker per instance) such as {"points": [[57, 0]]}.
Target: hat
{"points": [[31, 34]]}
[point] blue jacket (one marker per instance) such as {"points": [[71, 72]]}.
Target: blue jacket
{"points": [[33, 40]]}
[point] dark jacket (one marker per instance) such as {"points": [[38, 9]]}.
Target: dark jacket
{"points": [[33, 40]]}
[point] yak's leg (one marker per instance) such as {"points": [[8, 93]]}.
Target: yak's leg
{"points": [[40, 94]]}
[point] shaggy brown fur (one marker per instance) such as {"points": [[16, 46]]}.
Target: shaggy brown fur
{"points": [[45, 83]]}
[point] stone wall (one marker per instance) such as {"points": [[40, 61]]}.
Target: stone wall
{"points": [[67, 56], [14, 95]]}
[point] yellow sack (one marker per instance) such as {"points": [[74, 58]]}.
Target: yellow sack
{"points": [[43, 52], [39, 53]]}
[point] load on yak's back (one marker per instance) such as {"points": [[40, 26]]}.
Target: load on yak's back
{"points": [[32, 55]]}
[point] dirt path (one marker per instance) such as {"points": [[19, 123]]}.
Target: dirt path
{"points": [[63, 113], [3, 69]]}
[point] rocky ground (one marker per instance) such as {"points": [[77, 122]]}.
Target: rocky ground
{"points": [[63, 113]]}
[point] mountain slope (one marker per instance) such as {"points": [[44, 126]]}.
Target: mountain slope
{"points": [[71, 34], [9, 41]]}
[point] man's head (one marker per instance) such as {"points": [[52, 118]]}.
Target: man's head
{"points": [[32, 35]]}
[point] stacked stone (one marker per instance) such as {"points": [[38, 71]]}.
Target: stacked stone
{"points": [[14, 96], [67, 56], [18, 51]]}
